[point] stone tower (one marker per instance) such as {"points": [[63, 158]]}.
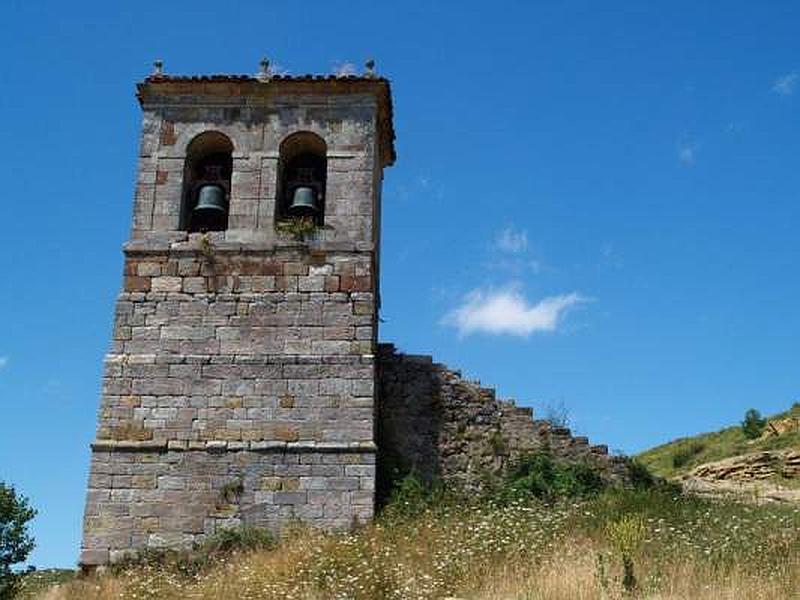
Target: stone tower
{"points": [[240, 386]]}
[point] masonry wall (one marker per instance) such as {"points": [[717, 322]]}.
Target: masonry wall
{"points": [[266, 346], [240, 382], [446, 428], [148, 496], [257, 126]]}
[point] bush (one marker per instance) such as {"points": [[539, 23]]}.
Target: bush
{"points": [[540, 476], [15, 541], [236, 539], [753, 424], [686, 453], [411, 496], [640, 476]]}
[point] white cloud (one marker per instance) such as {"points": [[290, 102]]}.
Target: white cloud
{"points": [[507, 312], [687, 153], [3, 361], [344, 69], [512, 241], [785, 84]]}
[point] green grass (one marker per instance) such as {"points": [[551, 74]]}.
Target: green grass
{"points": [[682, 455], [36, 582]]}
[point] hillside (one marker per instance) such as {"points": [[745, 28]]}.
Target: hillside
{"points": [[681, 456]]}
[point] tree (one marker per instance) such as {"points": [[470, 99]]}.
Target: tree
{"points": [[15, 541], [753, 424]]}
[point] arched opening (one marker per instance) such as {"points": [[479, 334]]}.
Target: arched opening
{"points": [[207, 182], [302, 173]]}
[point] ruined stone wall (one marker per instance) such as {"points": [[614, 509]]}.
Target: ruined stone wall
{"points": [[450, 429]]}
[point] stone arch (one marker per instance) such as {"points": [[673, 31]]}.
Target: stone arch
{"points": [[207, 171], [302, 165]]}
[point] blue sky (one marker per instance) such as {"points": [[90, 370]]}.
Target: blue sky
{"points": [[592, 207]]}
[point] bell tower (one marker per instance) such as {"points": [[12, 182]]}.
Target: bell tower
{"points": [[240, 386]]}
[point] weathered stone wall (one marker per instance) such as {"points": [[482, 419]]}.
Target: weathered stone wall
{"points": [[142, 494], [240, 384], [450, 429], [263, 346], [256, 126]]}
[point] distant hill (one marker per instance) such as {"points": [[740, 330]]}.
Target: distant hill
{"points": [[679, 457]]}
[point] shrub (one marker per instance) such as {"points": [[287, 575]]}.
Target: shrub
{"points": [[15, 541], [299, 228], [626, 535], [640, 476], [686, 453], [753, 424], [540, 476], [236, 539], [412, 496], [557, 414]]}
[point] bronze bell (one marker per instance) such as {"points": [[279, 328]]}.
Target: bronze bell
{"points": [[211, 210], [304, 200]]}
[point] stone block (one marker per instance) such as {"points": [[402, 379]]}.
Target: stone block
{"points": [[195, 285], [293, 498], [166, 284], [167, 482], [314, 283], [344, 483], [93, 557], [135, 283]]}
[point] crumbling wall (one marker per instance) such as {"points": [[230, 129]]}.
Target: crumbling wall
{"points": [[447, 428]]}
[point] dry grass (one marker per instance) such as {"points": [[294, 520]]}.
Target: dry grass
{"points": [[524, 551]]}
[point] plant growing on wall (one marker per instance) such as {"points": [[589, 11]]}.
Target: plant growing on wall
{"points": [[206, 246], [298, 228]]}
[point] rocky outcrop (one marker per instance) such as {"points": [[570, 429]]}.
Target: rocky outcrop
{"points": [[755, 477], [447, 428], [778, 427]]}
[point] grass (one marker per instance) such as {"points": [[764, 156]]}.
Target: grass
{"points": [[681, 456], [36, 583], [526, 549]]}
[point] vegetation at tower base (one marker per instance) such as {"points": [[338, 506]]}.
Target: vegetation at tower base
{"points": [[16, 542], [432, 543]]}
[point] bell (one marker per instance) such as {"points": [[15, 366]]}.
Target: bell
{"points": [[304, 200], [210, 212], [210, 198]]}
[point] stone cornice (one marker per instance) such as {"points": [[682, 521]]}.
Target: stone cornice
{"points": [[177, 244], [231, 446]]}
